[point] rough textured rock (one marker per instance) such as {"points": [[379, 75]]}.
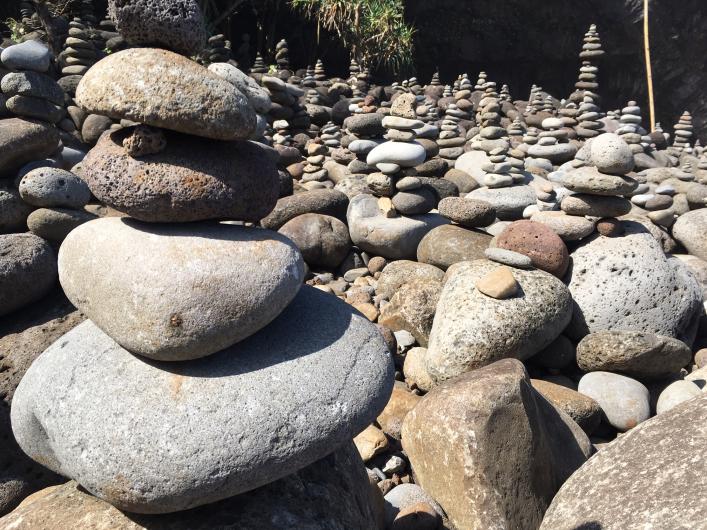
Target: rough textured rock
{"points": [[448, 244], [191, 180], [196, 289], [257, 95], [471, 330], [412, 308], [390, 237], [22, 338], [648, 478], [691, 230], [397, 273], [13, 211], [177, 25], [27, 270], [628, 283], [163, 89], [582, 409], [23, 141], [588, 179], [48, 187], [508, 202], [467, 212], [610, 153], [330, 494], [195, 450], [545, 248], [327, 202], [490, 449], [641, 355], [401, 402], [322, 239]]}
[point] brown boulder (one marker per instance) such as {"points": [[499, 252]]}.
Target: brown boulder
{"points": [[401, 402], [539, 243], [582, 409], [446, 245]]}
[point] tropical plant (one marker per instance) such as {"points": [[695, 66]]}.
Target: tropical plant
{"points": [[17, 29], [374, 30]]}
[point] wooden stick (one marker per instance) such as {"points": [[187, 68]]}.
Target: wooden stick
{"points": [[649, 70]]}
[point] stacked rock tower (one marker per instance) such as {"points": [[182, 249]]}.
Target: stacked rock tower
{"points": [[204, 376]]}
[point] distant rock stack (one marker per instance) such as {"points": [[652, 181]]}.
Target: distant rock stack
{"points": [[481, 81], [313, 97], [358, 79], [591, 53], [114, 41], [308, 80], [447, 91], [505, 94], [28, 90], [414, 86], [491, 135], [80, 51], [456, 85], [319, 73], [465, 83], [568, 113], [553, 143], [531, 136], [549, 105], [589, 125], [683, 132], [435, 80], [498, 172], [630, 129], [451, 138], [286, 105], [516, 128], [29, 17], [331, 135], [259, 66], [282, 134], [314, 170], [218, 49], [282, 60]]}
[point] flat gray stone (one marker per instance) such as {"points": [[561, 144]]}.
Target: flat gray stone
{"points": [[509, 257], [28, 55], [508, 202], [195, 289], [32, 84], [161, 437]]}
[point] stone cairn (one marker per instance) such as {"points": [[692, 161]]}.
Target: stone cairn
{"points": [[589, 125], [481, 81], [435, 79], [590, 55], [491, 135], [553, 143], [630, 129], [282, 60], [451, 139], [217, 50], [80, 51], [259, 67], [319, 72], [683, 132], [314, 169], [189, 313], [308, 80]]}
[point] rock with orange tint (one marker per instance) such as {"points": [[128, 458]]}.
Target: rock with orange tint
{"points": [[543, 246]]}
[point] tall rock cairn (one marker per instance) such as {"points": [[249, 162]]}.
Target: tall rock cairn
{"points": [[205, 377], [590, 55]]}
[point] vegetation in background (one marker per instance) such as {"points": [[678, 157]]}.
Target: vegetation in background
{"points": [[374, 30]]}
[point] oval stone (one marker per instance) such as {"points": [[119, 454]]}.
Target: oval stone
{"points": [[405, 154], [178, 291], [164, 89], [187, 434], [49, 187]]}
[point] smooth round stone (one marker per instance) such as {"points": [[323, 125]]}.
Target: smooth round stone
{"points": [[419, 201], [390, 237], [542, 245], [403, 124], [676, 393], [595, 205], [29, 55], [257, 96], [94, 126], [588, 180], [54, 224], [641, 288], [408, 184], [611, 154], [625, 401], [32, 84], [448, 244], [552, 123], [467, 212], [609, 227], [568, 227], [637, 354], [52, 187], [404, 154], [27, 270], [556, 153], [509, 203], [388, 168], [13, 211], [691, 230], [658, 202], [471, 163], [363, 147], [172, 444], [164, 89], [195, 289], [174, 24], [192, 179], [508, 257], [327, 202], [322, 239], [32, 107], [471, 330]]}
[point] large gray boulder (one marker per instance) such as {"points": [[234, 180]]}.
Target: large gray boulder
{"points": [[390, 237], [182, 435], [331, 494], [174, 292], [471, 329], [651, 477], [163, 89], [490, 449], [27, 270], [628, 283], [691, 230]]}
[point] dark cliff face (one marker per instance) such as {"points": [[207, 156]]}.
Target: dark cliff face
{"points": [[524, 42]]}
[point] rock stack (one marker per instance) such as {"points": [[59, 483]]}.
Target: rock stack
{"points": [[308, 80], [259, 66], [282, 60], [590, 55], [481, 81], [218, 50], [314, 170], [553, 143], [435, 80], [505, 94], [175, 344], [79, 52], [282, 134], [499, 170], [451, 139], [630, 129], [599, 188], [331, 135], [319, 73], [683, 132], [491, 135], [589, 117], [29, 92]]}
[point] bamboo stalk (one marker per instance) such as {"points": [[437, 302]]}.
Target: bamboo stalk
{"points": [[649, 70]]}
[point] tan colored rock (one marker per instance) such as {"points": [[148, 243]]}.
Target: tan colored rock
{"points": [[385, 205], [415, 371], [412, 308], [368, 310], [370, 442], [164, 89], [490, 450], [401, 402], [582, 409], [499, 284]]}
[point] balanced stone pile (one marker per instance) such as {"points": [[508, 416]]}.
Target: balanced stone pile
{"points": [[79, 52], [589, 125], [451, 139], [631, 130], [589, 55], [176, 346], [683, 132]]}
